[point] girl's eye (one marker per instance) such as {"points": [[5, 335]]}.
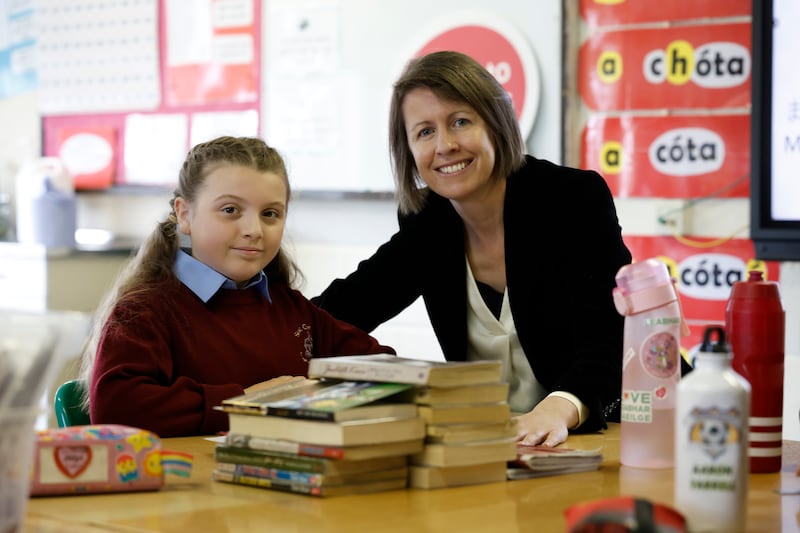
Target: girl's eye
{"points": [[229, 210], [424, 132], [271, 213], [461, 122]]}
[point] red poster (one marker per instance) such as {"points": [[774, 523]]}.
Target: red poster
{"points": [[705, 274], [690, 67], [686, 156], [228, 72], [618, 12], [89, 153], [504, 52]]}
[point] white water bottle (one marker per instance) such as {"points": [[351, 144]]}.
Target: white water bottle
{"points": [[651, 363], [711, 439]]}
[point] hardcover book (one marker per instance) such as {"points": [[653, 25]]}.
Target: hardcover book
{"points": [[318, 465], [539, 461], [306, 449], [465, 413], [468, 453], [480, 393], [390, 368], [349, 433], [311, 490], [337, 401], [436, 477], [459, 433]]}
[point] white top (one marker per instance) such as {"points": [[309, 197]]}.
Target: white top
{"points": [[491, 339]]}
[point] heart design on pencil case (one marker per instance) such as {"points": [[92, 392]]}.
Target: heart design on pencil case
{"points": [[72, 460]]}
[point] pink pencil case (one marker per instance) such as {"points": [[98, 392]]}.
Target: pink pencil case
{"points": [[102, 458]]}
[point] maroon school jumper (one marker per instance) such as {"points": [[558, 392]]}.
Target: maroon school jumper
{"points": [[166, 359]]}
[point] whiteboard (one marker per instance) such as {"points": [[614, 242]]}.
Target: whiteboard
{"points": [[328, 68]]}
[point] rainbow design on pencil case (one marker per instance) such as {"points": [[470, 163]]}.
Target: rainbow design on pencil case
{"points": [[177, 463]]}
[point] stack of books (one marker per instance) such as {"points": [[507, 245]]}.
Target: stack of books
{"points": [[470, 434], [321, 438]]}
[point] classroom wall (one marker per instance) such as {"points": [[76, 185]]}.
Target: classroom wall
{"points": [[329, 235]]}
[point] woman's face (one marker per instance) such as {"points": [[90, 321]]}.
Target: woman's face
{"points": [[236, 222], [450, 144]]}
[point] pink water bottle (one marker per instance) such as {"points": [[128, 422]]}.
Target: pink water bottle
{"points": [[651, 363], [755, 322]]}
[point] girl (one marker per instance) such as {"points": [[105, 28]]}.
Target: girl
{"points": [[184, 329]]}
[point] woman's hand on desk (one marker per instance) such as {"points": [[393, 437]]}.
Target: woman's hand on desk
{"points": [[547, 423]]}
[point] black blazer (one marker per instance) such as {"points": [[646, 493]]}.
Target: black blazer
{"points": [[563, 247]]}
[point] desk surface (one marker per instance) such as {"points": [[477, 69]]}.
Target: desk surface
{"points": [[199, 504]]}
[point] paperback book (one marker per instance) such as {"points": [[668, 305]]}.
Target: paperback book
{"points": [[312, 479], [468, 453], [461, 433], [307, 488], [480, 393], [337, 401], [253, 402], [316, 465], [540, 461], [390, 368], [436, 477], [349, 433], [307, 449], [465, 413]]}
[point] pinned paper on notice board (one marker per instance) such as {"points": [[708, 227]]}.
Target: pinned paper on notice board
{"points": [[89, 154]]}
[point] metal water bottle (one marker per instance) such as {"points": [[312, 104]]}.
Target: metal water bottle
{"points": [[755, 321], [651, 363], [711, 435]]}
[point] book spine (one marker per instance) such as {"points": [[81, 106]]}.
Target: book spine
{"points": [[229, 454], [305, 414], [255, 481], [328, 367], [274, 474], [247, 442]]}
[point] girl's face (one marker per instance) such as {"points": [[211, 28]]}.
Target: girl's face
{"points": [[450, 144], [236, 222]]}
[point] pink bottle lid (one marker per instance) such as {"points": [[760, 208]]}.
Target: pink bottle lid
{"points": [[643, 285]]}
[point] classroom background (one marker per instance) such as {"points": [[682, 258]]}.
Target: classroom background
{"points": [[143, 80]]}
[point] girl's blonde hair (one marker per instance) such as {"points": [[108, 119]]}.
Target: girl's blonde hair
{"points": [[156, 256]]}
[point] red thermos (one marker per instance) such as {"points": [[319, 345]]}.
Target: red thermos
{"points": [[755, 322]]}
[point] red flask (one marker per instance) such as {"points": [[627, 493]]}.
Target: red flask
{"points": [[755, 322]]}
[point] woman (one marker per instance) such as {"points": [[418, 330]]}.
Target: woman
{"points": [[513, 256]]}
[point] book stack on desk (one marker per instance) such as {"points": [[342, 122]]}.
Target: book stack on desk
{"points": [[322, 438], [470, 434]]}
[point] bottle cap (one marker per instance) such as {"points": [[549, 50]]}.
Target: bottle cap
{"points": [[714, 346], [755, 288]]}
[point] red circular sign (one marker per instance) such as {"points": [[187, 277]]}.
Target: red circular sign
{"points": [[492, 50]]}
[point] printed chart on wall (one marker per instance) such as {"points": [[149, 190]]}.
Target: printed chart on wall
{"points": [[127, 87]]}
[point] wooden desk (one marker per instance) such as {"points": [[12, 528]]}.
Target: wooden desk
{"points": [[199, 504]]}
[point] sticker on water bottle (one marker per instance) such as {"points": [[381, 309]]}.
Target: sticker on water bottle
{"points": [[661, 354], [637, 406]]}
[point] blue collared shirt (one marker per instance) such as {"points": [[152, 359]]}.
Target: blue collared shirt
{"points": [[205, 282]]}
